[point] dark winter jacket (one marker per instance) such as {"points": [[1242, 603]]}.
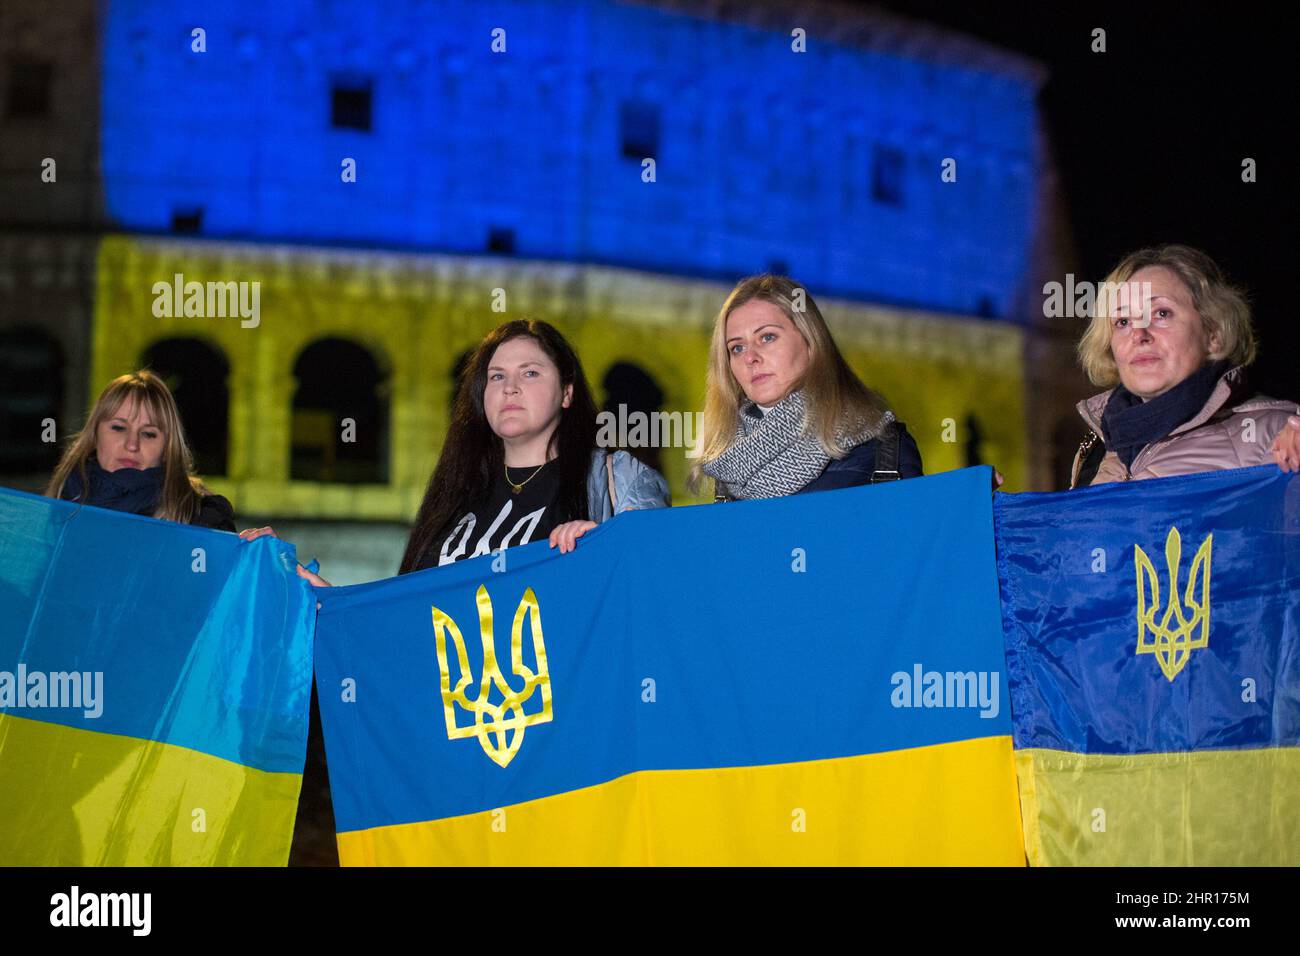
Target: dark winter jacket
{"points": [[856, 467], [136, 491]]}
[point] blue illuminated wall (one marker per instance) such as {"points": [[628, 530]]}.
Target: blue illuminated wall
{"points": [[824, 164]]}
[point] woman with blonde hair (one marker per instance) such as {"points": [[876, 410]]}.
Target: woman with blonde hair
{"points": [[1174, 339], [132, 456], [783, 412]]}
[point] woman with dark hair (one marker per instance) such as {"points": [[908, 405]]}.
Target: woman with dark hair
{"points": [[132, 456], [520, 462]]}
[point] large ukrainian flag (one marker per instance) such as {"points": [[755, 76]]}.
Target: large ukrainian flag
{"points": [[1152, 647], [810, 680], [154, 686]]}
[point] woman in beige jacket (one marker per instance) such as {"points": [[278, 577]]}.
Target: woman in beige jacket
{"points": [[1174, 339]]}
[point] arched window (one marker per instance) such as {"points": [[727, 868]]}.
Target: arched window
{"points": [[197, 374], [632, 391], [340, 415], [31, 395]]}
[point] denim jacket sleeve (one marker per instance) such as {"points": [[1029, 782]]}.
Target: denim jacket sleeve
{"points": [[636, 486]]}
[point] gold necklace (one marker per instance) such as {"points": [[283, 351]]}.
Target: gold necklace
{"points": [[516, 488]]}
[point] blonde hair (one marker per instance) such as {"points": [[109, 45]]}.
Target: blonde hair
{"points": [[836, 399], [1223, 308], [182, 491]]}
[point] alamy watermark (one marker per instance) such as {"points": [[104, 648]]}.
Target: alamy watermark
{"points": [[130, 910], [76, 690], [213, 300], [922, 688], [1079, 300], [626, 429]]}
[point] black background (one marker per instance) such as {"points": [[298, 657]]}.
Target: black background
{"points": [[1150, 135]]}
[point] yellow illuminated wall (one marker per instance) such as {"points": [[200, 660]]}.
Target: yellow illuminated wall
{"points": [[417, 313]]}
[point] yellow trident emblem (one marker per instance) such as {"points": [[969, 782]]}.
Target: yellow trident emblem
{"points": [[494, 722], [1173, 646]]}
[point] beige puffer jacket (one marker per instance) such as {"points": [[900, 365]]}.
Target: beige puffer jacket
{"points": [[1230, 431]]}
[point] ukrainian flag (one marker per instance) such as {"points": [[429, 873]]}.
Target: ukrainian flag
{"points": [[1152, 646], [810, 680], [154, 689]]}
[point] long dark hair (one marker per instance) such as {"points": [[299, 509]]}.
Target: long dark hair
{"points": [[473, 455]]}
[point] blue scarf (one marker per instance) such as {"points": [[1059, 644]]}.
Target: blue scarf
{"points": [[127, 489], [1129, 424]]}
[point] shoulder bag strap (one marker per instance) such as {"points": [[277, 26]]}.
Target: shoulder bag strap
{"points": [[609, 473], [1088, 458], [886, 456]]}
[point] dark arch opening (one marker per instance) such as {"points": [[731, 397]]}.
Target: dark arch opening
{"points": [[340, 415], [31, 395], [974, 441], [197, 374], [631, 386]]}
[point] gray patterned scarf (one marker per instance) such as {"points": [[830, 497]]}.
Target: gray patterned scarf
{"points": [[771, 456]]}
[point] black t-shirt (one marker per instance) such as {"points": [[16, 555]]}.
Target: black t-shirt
{"points": [[504, 520]]}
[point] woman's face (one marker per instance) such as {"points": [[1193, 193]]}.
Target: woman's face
{"points": [[524, 396], [768, 354], [1154, 357], [128, 438]]}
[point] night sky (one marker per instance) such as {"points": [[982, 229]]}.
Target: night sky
{"points": [[1149, 138]]}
